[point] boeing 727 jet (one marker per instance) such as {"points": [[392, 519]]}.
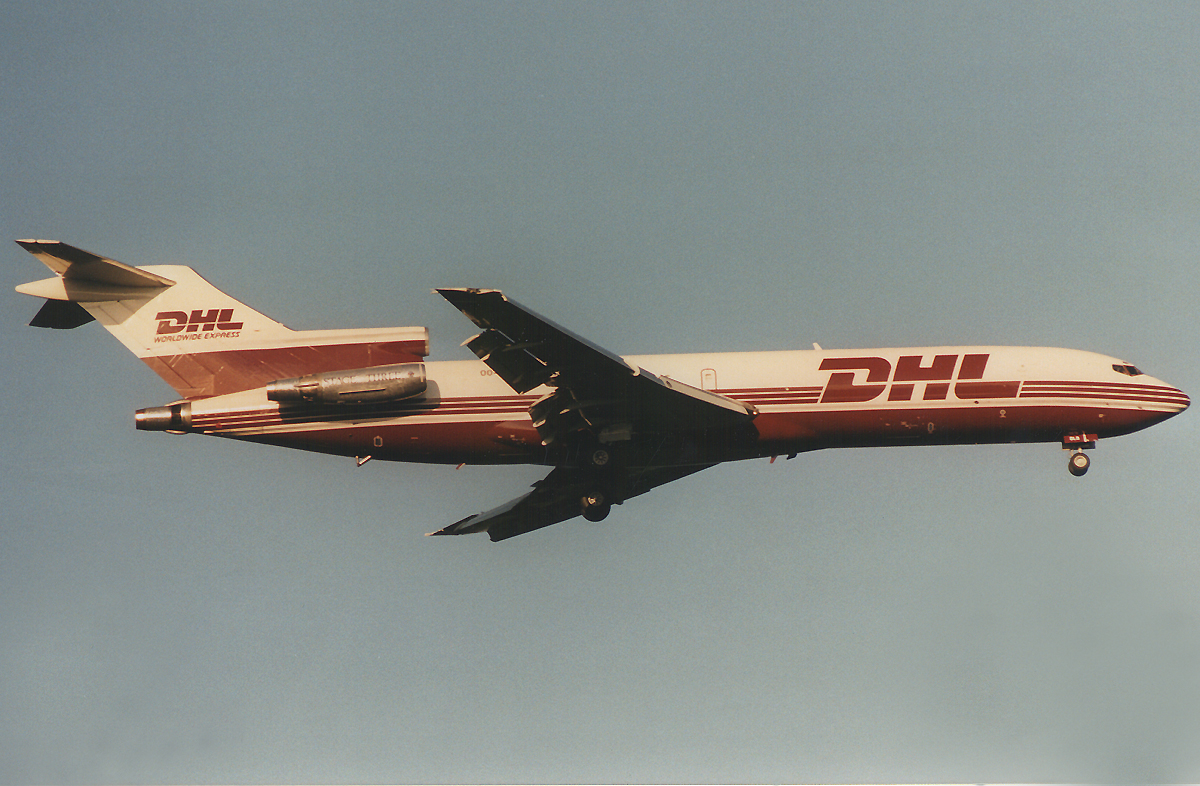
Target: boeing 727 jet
{"points": [[610, 427]]}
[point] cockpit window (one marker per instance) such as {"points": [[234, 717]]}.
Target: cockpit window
{"points": [[1132, 371]]}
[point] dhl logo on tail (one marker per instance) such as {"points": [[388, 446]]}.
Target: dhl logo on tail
{"points": [[198, 320], [182, 326]]}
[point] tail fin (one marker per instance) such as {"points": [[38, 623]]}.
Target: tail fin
{"points": [[201, 341]]}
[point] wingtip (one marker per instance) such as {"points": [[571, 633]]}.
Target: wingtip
{"points": [[449, 292], [461, 527], [30, 243], [445, 530]]}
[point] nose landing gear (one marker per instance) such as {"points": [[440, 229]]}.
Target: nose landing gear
{"points": [[1078, 463]]}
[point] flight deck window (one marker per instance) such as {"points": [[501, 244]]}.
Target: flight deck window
{"points": [[1132, 371]]}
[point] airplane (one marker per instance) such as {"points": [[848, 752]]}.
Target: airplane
{"points": [[611, 427]]}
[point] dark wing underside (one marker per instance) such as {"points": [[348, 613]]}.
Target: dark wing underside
{"points": [[596, 398], [556, 498]]}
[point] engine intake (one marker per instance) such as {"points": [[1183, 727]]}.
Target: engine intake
{"points": [[354, 386]]}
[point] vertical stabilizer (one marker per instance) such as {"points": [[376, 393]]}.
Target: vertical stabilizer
{"points": [[200, 340]]}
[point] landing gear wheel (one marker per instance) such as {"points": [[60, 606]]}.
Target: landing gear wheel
{"points": [[1078, 463], [600, 457], [595, 506]]}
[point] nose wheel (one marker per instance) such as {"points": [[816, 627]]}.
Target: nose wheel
{"points": [[1078, 463], [1076, 442]]}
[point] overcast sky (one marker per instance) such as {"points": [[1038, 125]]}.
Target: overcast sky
{"points": [[658, 178]]}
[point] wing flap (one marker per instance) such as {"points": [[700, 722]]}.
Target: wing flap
{"points": [[511, 361]]}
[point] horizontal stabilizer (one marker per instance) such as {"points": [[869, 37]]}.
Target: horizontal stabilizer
{"points": [[85, 268], [61, 315]]}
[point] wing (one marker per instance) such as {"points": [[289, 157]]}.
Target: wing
{"points": [[655, 427], [594, 390], [559, 496]]}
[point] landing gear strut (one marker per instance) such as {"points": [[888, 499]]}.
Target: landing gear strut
{"points": [[1078, 463]]}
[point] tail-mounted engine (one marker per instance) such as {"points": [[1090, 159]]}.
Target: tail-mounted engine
{"points": [[175, 418], [354, 386], [376, 385]]}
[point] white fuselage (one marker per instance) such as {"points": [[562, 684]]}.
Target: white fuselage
{"points": [[805, 399]]}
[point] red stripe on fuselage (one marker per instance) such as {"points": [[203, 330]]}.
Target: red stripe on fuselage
{"points": [[490, 441], [511, 406], [468, 429], [1150, 394]]}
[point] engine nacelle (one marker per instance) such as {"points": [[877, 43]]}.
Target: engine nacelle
{"points": [[353, 386], [176, 418]]}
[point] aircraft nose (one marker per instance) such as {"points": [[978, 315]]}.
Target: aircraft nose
{"points": [[1184, 401], [1175, 398]]}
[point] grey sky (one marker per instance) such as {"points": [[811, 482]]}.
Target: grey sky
{"points": [[659, 178]]}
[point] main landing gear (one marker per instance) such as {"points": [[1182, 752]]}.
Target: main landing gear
{"points": [[596, 502], [601, 478], [595, 506], [1078, 463]]}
